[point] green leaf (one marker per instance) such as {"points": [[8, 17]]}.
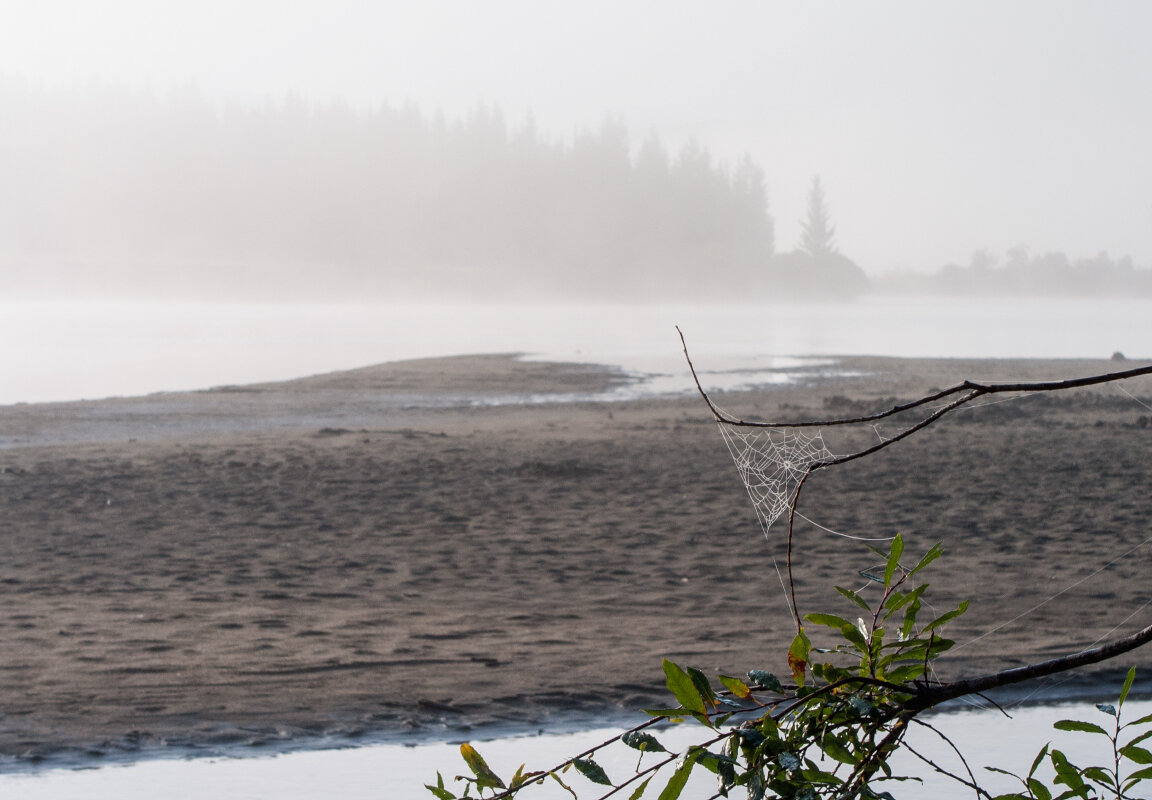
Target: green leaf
{"points": [[1136, 754], [592, 771], [1127, 685], [439, 790], [1107, 708], [1100, 775], [683, 688], [894, 554], [673, 714], [640, 789], [485, 778], [1140, 775], [644, 742], [1036, 762], [831, 620], [1142, 721], [1139, 738], [700, 681], [788, 760], [798, 656], [906, 673], [933, 554], [736, 686], [1039, 789], [766, 680], [521, 778], [1065, 772], [940, 620], [855, 598], [1077, 725], [909, 623], [835, 749], [680, 777]]}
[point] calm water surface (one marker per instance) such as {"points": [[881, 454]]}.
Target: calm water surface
{"points": [[398, 772], [73, 350]]}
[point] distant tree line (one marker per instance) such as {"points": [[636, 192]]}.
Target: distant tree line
{"points": [[107, 186], [1023, 274]]}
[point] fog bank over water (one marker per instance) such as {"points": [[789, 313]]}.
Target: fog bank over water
{"points": [[639, 150]]}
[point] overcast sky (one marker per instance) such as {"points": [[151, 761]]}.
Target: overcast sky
{"points": [[937, 128]]}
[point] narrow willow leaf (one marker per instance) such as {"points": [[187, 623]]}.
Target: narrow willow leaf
{"points": [[894, 554], [1107, 708], [592, 771], [856, 637], [1003, 772], [765, 680], [1100, 775], [831, 620], [439, 790], [1139, 738], [1127, 685], [1077, 725], [855, 598], [1136, 754], [736, 686], [1036, 762], [644, 742], [703, 686], [682, 688], [940, 620], [636, 795], [679, 778], [909, 623], [485, 777], [1142, 721], [933, 554], [1138, 775], [1039, 789], [673, 714]]}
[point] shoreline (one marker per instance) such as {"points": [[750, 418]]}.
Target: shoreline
{"points": [[335, 566]]}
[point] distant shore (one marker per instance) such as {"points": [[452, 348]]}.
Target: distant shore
{"points": [[282, 562]]}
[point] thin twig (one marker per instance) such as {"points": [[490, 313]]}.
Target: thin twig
{"points": [[972, 784]]}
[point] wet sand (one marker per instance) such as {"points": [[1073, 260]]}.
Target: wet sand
{"points": [[369, 553]]}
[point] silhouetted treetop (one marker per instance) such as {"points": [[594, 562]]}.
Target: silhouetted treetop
{"points": [[817, 232]]}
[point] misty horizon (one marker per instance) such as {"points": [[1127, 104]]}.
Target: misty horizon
{"points": [[113, 190], [939, 131]]}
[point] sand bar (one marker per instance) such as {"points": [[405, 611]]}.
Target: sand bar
{"points": [[373, 553]]}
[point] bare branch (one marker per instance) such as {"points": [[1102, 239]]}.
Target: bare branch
{"points": [[939, 693], [974, 388]]}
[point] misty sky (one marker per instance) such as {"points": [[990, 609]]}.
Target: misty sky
{"points": [[937, 128]]}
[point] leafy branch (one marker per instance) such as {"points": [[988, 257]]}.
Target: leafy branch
{"points": [[830, 733]]}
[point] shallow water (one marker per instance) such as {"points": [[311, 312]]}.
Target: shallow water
{"points": [[70, 350], [985, 736]]}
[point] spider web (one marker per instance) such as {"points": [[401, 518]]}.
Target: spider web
{"points": [[771, 463]]}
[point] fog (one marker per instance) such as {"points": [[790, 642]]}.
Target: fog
{"points": [[640, 149]]}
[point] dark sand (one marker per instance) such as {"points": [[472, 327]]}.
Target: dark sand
{"points": [[270, 563]]}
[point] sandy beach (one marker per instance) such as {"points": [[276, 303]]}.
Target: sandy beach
{"points": [[375, 553]]}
